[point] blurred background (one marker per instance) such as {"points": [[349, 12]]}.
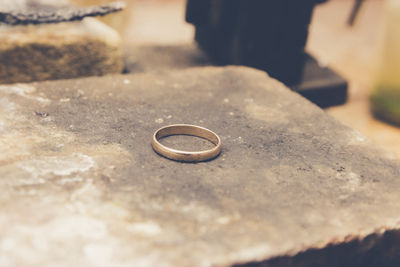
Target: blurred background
{"points": [[354, 52]]}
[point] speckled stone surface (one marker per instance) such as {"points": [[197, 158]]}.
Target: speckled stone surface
{"points": [[58, 51], [24, 12], [81, 185]]}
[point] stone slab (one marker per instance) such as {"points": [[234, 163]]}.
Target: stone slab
{"points": [[58, 51], [81, 185]]}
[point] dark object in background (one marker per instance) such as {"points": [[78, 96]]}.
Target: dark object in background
{"points": [[35, 12], [321, 85], [355, 11], [268, 35]]}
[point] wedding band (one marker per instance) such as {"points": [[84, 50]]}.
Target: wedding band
{"points": [[186, 156]]}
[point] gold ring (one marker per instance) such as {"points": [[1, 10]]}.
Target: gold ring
{"points": [[186, 156]]}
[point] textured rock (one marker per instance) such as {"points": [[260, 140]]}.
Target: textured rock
{"points": [[66, 50], [81, 185], [16, 12]]}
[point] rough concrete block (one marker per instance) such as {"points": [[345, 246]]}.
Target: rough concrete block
{"points": [[81, 185], [58, 51]]}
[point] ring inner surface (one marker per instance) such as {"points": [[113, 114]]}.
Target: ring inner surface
{"points": [[187, 130]]}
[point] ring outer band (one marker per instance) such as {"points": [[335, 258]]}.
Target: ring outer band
{"points": [[186, 156]]}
